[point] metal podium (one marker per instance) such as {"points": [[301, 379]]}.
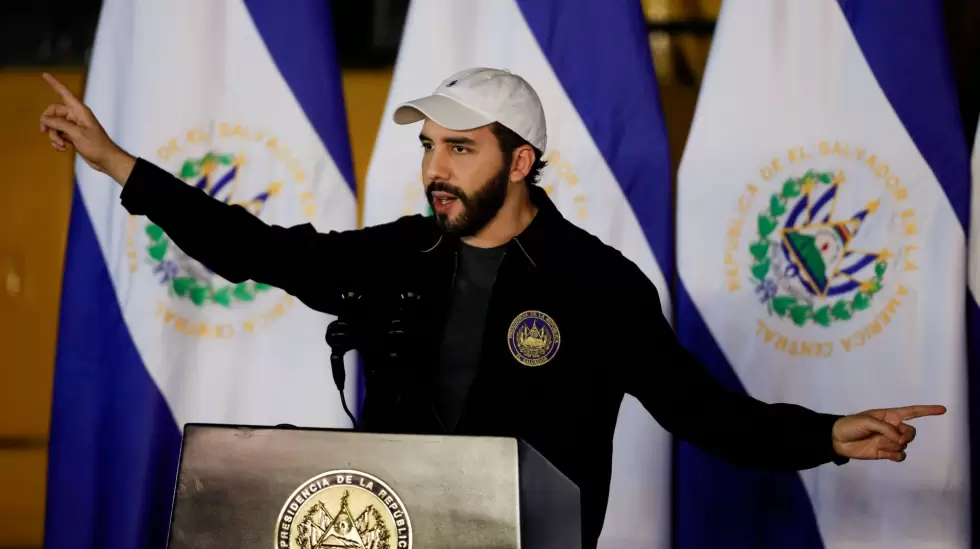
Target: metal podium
{"points": [[293, 488]]}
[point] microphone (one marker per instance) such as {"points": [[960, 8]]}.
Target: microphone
{"points": [[342, 336], [399, 327], [382, 331]]}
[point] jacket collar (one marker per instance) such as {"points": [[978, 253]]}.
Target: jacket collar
{"points": [[532, 243], [539, 236]]}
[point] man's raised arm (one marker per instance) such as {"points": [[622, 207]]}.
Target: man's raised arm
{"points": [[297, 259]]}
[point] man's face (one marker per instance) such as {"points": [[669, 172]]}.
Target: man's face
{"points": [[465, 176]]}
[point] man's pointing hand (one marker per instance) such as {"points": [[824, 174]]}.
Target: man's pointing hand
{"points": [[880, 433], [70, 122]]}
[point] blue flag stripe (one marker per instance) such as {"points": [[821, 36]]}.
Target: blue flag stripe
{"points": [[300, 41], [906, 50], [613, 86], [114, 442], [746, 509]]}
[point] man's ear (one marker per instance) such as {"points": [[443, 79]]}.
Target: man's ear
{"points": [[521, 163]]}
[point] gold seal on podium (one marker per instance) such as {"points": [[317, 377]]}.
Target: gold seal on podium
{"points": [[344, 508]]}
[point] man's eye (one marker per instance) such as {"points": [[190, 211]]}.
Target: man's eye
{"points": [[459, 149], [427, 146]]}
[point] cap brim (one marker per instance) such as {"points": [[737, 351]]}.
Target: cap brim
{"points": [[442, 110]]}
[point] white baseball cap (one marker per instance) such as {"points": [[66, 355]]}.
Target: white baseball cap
{"points": [[476, 97]]}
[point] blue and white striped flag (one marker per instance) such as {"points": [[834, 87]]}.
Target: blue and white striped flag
{"points": [[590, 62], [822, 202], [242, 99]]}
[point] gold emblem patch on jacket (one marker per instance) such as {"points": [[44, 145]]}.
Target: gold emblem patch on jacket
{"points": [[533, 338]]}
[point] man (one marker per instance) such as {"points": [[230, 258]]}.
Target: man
{"points": [[527, 326]]}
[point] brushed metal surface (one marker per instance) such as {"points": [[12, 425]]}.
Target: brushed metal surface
{"points": [[459, 492]]}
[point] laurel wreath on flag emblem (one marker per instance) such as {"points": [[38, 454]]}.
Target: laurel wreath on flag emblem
{"points": [[186, 277], [769, 243]]}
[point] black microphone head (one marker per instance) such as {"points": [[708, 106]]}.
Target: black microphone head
{"points": [[408, 301], [352, 306], [351, 299]]}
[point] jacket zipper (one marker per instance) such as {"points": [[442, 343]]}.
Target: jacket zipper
{"points": [[452, 284]]}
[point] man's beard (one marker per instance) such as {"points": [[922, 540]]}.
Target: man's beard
{"points": [[477, 210]]}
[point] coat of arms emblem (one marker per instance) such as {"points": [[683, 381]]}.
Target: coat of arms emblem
{"points": [[344, 509]]}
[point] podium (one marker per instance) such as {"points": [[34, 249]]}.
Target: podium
{"points": [[296, 488]]}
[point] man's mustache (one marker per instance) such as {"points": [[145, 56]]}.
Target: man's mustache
{"points": [[442, 186]]}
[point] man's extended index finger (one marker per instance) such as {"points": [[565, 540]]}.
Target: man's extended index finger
{"points": [[911, 412], [66, 95]]}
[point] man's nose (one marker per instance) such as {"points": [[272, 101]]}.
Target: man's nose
{"points": [[438, 165]]}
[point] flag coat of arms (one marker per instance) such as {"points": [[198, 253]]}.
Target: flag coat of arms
{"points": [[608, 170], [242, 100], [821, 251]]}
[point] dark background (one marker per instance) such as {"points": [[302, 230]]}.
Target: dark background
{"points": [[60, 32]]}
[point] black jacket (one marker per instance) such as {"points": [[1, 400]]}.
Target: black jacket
{"points": [[611, 336]]}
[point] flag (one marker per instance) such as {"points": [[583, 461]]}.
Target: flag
{"points": [[590, 63], [973, 333], [821, 252], [242, 100]]}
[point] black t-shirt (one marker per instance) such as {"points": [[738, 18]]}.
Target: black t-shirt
{"points": [[459, 353]]}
